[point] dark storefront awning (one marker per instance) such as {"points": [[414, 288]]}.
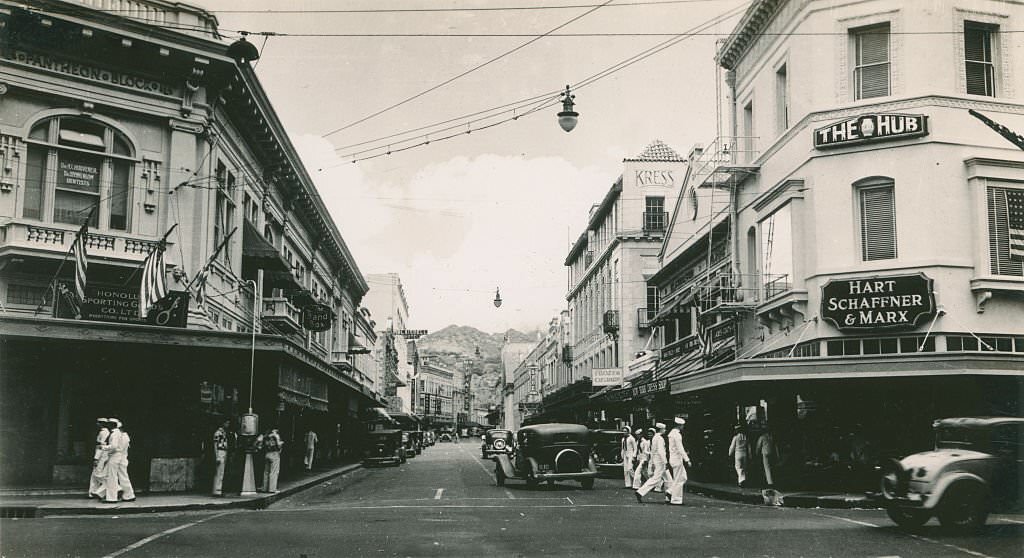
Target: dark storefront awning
{"points": [[257, 253]]}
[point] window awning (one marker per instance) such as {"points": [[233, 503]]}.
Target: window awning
{"points": [[257, 253]]}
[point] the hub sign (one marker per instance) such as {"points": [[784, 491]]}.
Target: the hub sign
{"points": [[867, 128], [896, 302]]}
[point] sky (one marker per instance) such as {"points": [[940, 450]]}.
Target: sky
{"points": [[494, 208]]}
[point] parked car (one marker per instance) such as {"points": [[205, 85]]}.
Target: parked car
{"points": [[549, 452], [384, 447], [975, 468], [445, 436], [607, 451], [410, 424], [429, 438], [495, 441]]}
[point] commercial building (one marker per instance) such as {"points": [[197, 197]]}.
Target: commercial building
{"points": [[139, 121], [396, 344], [439, 394], [512, 356], [856, 276]]}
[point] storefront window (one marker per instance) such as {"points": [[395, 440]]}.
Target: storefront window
{"points": [[79, 164]]}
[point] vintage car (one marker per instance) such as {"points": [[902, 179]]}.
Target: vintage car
{"points": [[976, 467], [429, 438], [445, 436], [549, 452], [412, 435], [384, 447], [607, 451], [495, 441]]}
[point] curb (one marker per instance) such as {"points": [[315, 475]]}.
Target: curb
{"points": [[793, 500], [259, 503]]}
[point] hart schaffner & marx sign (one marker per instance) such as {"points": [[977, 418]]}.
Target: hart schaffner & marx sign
{"points": [[867, 128], [894, 302]]}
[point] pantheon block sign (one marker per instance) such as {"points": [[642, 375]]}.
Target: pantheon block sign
{"points": [[878, 303]]}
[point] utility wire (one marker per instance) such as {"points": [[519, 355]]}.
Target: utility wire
{"points": [[467, 72], [444, 10]]}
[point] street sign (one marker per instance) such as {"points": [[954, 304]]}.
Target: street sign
{"points": [[606, 376], [411, 333]]}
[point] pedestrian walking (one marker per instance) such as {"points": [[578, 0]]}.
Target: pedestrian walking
{"points": [[99, 460], [117, 464], [220, 456], [272, 446], [739, 450], [628, 456], [657, 464], [311, 441], [678, 460], [766, 449], [643, 456]]}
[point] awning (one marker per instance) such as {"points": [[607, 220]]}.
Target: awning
{"points": [[280, 280], [257, 253]]}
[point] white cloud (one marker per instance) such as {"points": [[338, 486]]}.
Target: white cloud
{"points": [[459, 228]]}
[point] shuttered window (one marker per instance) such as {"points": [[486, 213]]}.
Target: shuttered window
{"points": [[980, 66], [877, 222], [1006, 231], [871, 53]]}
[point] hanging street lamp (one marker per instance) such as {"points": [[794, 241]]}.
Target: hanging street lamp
{"points": [[497, 298], [567, 118]]}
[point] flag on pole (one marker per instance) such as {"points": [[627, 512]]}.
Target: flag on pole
{"points": [[1015, 220], [1010, 135], [154, 280], [81, 259], [72, 301], [199, 286]]}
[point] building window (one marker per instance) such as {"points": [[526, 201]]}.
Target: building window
{"points": [[980, 64], [748, 132], [652, 302], [777, 251], [877, 214], [871, 53], [655, 217], [1006, 231], [782, 98], [74, 165], [25, 294], [224, 216]]}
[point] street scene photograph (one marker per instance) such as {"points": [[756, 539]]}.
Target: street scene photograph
{"points": [[511, 278]]}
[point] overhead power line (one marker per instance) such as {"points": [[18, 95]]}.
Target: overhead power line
{"points": [[467, 72]]}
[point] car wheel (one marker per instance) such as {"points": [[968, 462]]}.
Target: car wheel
{"points": [[908, 519], [499, 474], [587, 484], [963, 508]]}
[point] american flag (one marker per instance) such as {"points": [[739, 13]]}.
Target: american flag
{"points": [[81, 259], [154, 281], [1015, 220]]}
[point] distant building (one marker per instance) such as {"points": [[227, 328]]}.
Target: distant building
{"points": [[395, 342], [512, 355]]}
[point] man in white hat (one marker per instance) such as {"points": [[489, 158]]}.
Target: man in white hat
{"points": [[657, 464], [99, 460], [628, 455], [676, 457], [117, 464], [643, 455]]}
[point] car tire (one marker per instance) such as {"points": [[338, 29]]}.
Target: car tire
{"points": [[499, 474], [963, 508], [587, 484], [907, 519]]}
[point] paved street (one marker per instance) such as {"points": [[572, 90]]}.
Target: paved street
{"points": [[445, 503]]}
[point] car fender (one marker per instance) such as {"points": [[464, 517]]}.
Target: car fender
{"points": [[948, 481], [506, 465]]}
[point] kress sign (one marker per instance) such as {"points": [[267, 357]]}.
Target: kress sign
{"points": [[896, 302]]}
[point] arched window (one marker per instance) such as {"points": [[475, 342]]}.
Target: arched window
{"points": [[76, 164]]}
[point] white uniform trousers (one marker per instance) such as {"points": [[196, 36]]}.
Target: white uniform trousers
{"points": [[117, 479], [271, 469], [98, 478], [221, 456], [638, 474], [627, 472], [657, 478], [676, 481]]}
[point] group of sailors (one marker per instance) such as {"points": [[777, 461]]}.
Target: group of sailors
{"points": [[109, 479], [652, 463]]}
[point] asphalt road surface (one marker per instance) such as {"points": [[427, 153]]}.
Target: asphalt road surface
{"points": [[445, 503]]}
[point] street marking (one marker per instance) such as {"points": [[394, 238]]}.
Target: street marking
{"points": [[1010, 520], [570, 501], [911, 535], [437, 495], [509, 494], [152, 538]]}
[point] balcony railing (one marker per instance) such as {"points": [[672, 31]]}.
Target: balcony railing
{"points": [[775, 285], [644, 317], [588, 259], [282, 313], [31, 236], [655, 221], [727, 291]]}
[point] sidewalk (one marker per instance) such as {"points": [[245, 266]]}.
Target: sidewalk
{"points": [[787, 498], [46, 502]]}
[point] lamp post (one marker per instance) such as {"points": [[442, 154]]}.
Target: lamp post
{"points": [[250, 420], [567, 118]]}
